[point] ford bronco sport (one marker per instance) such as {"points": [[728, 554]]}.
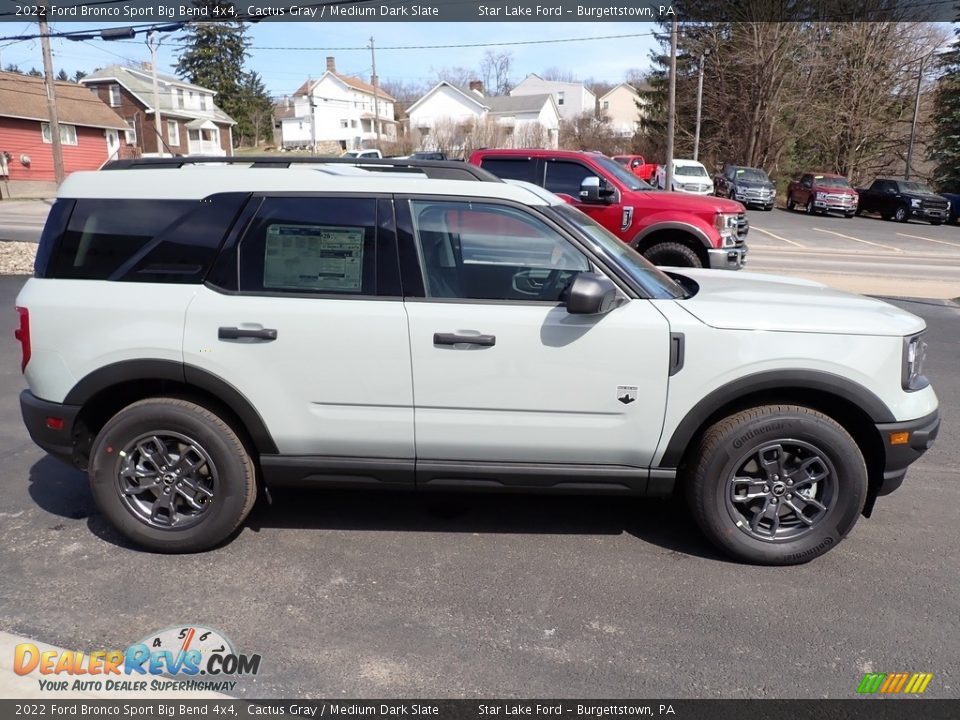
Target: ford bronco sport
{"points": [[195, 335]]}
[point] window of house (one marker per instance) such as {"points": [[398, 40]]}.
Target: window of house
{"points": [[114, 96], [194, 135], [131, 131], [606, 104], [485, 251], [344, 124], [173, 132], [311, 245], [560, 97], [180, 98], [68, 133], [203, 102]]}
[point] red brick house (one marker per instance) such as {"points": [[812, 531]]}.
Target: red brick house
{"points": [[90, 133], [192, 122]]}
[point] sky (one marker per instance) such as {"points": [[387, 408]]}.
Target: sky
{"points": [[284, 70]]}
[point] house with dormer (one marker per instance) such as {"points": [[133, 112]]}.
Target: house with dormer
{"points": [[337, 112], [191, 121]]}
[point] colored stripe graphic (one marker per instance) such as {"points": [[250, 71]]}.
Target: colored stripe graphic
{"points": [[894, 683]]}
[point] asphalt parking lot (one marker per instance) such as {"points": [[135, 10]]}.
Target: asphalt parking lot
{"points": [[381, 595], [861, 254]]}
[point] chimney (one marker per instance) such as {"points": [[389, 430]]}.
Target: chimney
{"points": [[477, 87], [331, 64]]}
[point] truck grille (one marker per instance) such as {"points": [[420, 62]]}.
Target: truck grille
{"points": [[743, 227], [696, 187], [940, 205]]}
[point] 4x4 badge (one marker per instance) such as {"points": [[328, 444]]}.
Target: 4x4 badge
{"points": [[626, 393]]}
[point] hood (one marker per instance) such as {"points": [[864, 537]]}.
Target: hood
{"points": [[751, 301], [766, 184], [695, 203]]}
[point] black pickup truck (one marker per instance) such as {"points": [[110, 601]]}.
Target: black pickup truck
{"points": [[902, 200]]}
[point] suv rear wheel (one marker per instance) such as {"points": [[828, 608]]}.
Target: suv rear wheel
{"points": [[777, 484], [171, 475], [673, 254]]}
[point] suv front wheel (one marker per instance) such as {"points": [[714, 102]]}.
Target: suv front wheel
{"points": [[777, 484], [171, 475]]}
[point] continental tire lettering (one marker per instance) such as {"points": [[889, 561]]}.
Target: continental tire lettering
{"points": [[827, 542], [740, 441]]}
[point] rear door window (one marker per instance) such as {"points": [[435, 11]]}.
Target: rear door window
{"points": [[512, 168]]}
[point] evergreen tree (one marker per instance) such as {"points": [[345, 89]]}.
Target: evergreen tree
{"points": [[62, 75], [79, 75], [214, 57], [34, 72], [944, 148], [256, 121]]}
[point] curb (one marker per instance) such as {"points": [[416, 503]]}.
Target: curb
{"points": [[26, 687]]}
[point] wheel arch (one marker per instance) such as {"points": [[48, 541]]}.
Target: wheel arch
{"points": [[105, 391], [686, 234], [854, 407]]}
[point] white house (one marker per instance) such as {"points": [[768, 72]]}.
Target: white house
{"points": [[572, 98], [620, 107], [347, 111], [523, 121]]}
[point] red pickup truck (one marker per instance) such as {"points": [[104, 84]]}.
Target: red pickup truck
{"points": [[639, 166], [822, 193], [669, 228]]}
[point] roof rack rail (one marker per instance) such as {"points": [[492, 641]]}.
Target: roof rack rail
{"points": [[434, 169]]}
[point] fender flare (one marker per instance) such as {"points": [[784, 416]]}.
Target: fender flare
{"points": [[825, 382], [672, 225], [152, 369]]}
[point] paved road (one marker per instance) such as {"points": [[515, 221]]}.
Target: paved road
{"points": [[23, 219], [350, 594], [861, 254]]}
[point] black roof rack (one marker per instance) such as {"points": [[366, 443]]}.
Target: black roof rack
{"points": [[434, 169]]}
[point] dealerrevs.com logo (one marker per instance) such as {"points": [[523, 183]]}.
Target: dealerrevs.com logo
{"points": [[898, 683], [180, 658]]}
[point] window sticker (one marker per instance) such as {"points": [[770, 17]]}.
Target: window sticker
{"points": [[313, 257]]}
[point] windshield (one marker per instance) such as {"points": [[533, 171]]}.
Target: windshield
{"points": [[827, 181], [752, 175], [654, 282], [915, 187], [627, 178], [689, 170]]}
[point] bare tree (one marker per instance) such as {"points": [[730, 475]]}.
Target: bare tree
{"points": [[495, 72], [555, 74]]}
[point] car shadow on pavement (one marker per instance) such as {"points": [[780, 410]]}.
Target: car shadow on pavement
{"points": [[64, 491], [662, 522]]}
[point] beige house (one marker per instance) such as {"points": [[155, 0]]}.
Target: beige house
{"points": [[619, 106]]}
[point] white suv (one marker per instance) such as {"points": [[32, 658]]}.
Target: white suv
{"points": [[193, 334]]}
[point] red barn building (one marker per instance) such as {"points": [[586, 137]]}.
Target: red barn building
{"points": [[90, 133]]}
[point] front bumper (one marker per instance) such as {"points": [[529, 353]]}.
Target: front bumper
{"points": [[41, 418], [831, 205], [756, 198], [729, 258], [922, 433], [924, 213]]}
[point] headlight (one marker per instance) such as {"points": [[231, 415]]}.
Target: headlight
{"points": [[914, 354], [725, 223], [915, 202]]}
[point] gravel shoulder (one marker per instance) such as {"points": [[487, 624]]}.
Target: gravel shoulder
{"points": [[16, 258]]}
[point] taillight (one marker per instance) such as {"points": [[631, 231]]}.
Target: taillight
{"points": [[22, 334]]}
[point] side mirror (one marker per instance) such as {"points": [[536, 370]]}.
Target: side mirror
{"points": [[591, 294], [590, 189]]}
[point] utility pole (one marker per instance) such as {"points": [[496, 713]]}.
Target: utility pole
{"points": [[153, 43], [313, 123], [696, 134], [671, 107], [913, 125], [51, 96], [375, 81]]}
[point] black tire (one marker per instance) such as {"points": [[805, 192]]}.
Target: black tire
{"points": [[223, 466], [768, 208], [790, 203], [808, 208], [885, 216], [901, 215], [673, 254], [850, 214], [722, 454]]}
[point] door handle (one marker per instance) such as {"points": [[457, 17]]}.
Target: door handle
{"points": [[454, 339], [235, 333]]}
